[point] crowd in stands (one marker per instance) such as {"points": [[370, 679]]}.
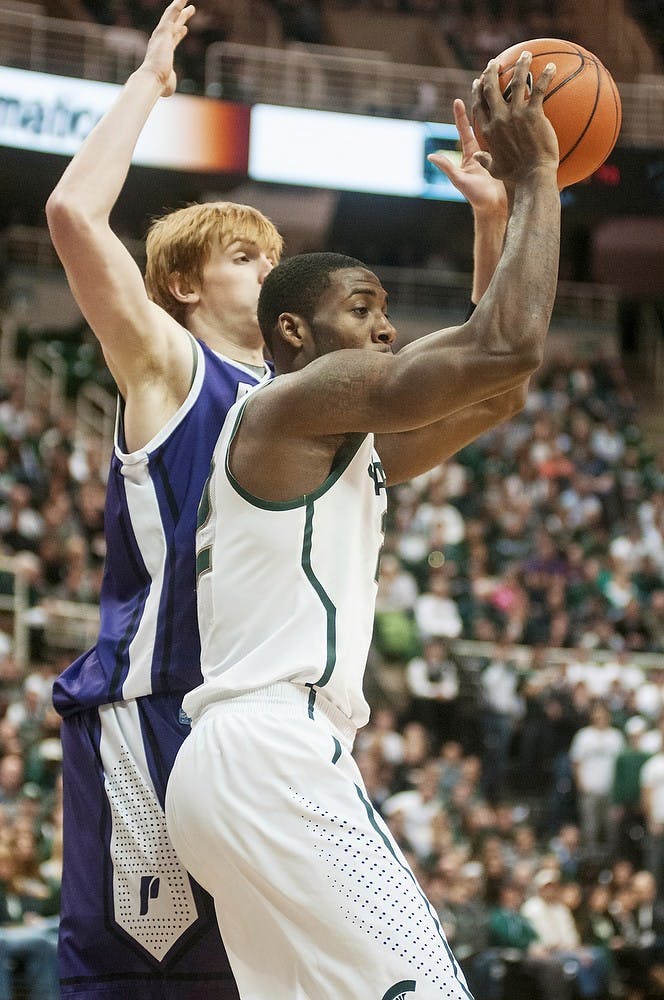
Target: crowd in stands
{"points": [[470, 31], [650, 14]]}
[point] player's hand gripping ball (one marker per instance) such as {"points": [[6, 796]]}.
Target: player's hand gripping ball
{"points": [[582, 103]]}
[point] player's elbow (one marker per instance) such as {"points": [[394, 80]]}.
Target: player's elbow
{"points": [[532, 358], [69, 225], [513, 368], [514, 401], [514, 341], [508, 404], [61, 210], [60, 214]]}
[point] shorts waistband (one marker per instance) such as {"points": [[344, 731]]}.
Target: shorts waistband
{"points": [[293, 700]]}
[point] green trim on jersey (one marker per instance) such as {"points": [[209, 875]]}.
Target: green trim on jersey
{"points": [[399, 990], [203, 562], [205, 504], [330, 610], [305, 498]]}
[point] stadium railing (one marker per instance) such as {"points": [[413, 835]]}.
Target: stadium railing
{"points": [[296, 75]]}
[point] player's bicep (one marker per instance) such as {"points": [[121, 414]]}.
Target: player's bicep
{"points": [[108, 287], [346, 391]]}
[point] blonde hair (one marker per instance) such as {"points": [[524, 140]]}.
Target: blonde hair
{"points": [[183, 240]]}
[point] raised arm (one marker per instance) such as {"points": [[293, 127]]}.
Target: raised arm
{"points": [[139, 340], [485, 194], [330, 393], [412, 452], [498, 347]]}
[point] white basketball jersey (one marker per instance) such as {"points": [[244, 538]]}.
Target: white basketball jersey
{"points": [[286, 591]]}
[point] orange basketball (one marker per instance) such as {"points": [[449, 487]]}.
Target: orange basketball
{"points": [[582, 103]]}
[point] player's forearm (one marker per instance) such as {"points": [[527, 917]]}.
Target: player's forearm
{"points": [[410, 453], [513, 316], [502, 343], [488, 239], [93, 180]]}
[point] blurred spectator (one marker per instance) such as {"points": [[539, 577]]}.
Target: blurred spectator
{"points": [[524, 851], [12, 774], [599, 928], [502, 707], [433, 685], [416, 755], [436, 613], [467, 926], [21, 524], [534, 747], [381, 736], [627, 817], [652, 785], [593, 754], [418, 807], [557, 933], [653, 617], [510, 928], [567, 850], [641, 953], [395, 631], [26, 941]]}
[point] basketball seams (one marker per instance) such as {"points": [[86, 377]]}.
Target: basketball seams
{"points": [[591, 116], [583, 103], [554, 53], [584, 63]]}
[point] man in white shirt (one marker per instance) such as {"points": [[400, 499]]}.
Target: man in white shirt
{"points": [[558, 937], [593, 755]]}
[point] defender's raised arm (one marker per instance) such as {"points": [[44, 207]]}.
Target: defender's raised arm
{"points": [[103, 276]]}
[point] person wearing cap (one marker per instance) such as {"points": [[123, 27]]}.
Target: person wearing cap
{"points": [[556, 931]]}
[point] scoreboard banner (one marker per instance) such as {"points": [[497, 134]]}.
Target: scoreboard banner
{"points": [[54, 114]]}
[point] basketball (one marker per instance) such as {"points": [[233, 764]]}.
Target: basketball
{"points": [[582, 103]]}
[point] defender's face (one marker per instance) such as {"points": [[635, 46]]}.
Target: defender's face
{"points": [[352, 313], [232, 280]]}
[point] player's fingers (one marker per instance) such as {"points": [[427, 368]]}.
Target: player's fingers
{"points": [[489, 85], [478, 103], [466, 134], [541, 84], [173, 10], [444, 164], [460, 115], [521, 82], [187, 13], [484, 159]]}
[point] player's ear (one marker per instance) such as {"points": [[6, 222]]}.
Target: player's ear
{"points": [[291, 330], [183, 289]]}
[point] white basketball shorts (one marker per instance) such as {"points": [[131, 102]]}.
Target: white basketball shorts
{"points": [[315, 901]]}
